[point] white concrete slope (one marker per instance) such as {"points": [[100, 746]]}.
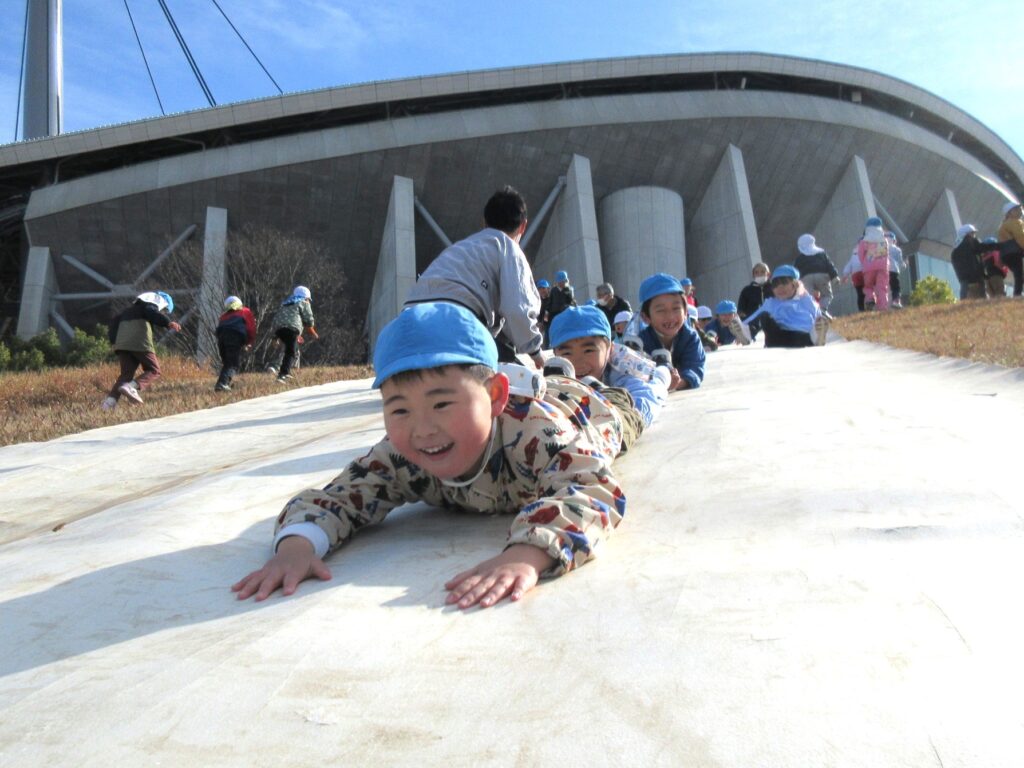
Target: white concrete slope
{"points": [[820, 566]]}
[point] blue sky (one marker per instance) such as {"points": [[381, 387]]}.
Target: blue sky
{"points": [[962, 52]]}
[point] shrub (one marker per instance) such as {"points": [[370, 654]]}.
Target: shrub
{"points": [[28, 359], [86, 348], [48, 343], [931, 290], [5, 357]]}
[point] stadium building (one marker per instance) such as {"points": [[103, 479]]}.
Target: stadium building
{"points": [[697, 165]]}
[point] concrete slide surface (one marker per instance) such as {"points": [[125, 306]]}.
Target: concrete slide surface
{"points": [[820, 565]]}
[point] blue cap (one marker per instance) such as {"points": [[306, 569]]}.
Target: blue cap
{"points": [[686, 282], [543, 284], [990, 241], [786, 270], [430, 335], [874, 221], [724, 307], [561, 276], [577, 322], [657, 284], [167, 297]]}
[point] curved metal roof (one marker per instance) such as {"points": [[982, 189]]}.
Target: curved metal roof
{"points": [[82, 153]]}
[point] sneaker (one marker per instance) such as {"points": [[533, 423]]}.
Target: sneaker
{"points": [[821, 325], [523, 381], [131, 392], [740, 331], [869, 306], [559, 366], [283, 379], [661, 357], [634, 343], [109, 404], [220, 386], [271, 368]]}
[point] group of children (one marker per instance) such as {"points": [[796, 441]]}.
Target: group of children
{"points": [[466, 430], [982, 265], [131, 336]]}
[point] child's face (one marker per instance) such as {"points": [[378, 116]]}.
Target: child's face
{"points": [[726, 317], [666, 314], [784, 288], [442, 421], [588, 355], [703, 321], [620, 328]]}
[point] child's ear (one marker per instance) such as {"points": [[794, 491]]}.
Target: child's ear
{"points": [[497, 389], [645, 317]]}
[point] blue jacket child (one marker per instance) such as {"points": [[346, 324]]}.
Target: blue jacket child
{"points": [[663, 307]]}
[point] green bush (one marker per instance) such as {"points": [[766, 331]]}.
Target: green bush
{"points": [[28, 359], [5, 357], [86, 348], [931, 290], [48, 342]]}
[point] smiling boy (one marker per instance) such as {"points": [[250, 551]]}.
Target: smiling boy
{"points": [[663, 307], [456, 439], [582, 336]]}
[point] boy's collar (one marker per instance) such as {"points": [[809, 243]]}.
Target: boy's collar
{"points": [[484, 458]]}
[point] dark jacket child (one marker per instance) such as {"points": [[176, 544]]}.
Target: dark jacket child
{"points": [[995, 270], [131, 335], [754, 295], [235, 330], [966, 261], [293, 316], [562, 296]]}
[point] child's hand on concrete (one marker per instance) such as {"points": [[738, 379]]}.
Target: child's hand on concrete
{"points": [[511, 574], [294, 562], [675, 379]]}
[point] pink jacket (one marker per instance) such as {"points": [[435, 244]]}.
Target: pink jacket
{"points": [[873, 256]]}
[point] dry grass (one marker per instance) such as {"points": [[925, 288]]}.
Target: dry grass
{"points": [[982, 331], [63, 401]]}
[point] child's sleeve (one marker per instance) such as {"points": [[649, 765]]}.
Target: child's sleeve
{"points": [[688, 355], [156, 317], [250, 326], [577, 500], [306, 314], [648, 396], [519, 301], [363, 494]]}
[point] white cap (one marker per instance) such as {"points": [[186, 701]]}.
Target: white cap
{"points": [[964, 231], [1007, 207], [623, 317], [703, 312], [806, 245], [691, 311]]}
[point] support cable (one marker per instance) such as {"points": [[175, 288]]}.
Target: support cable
{"points": [[21, 71], [247, 46], [188, 54], [144, 59]]}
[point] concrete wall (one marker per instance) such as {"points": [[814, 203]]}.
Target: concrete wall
{"points": [[396, 264], [943, 221], [722, 245], [37, 292], [211, 290], [642, 232], [571, 237]]}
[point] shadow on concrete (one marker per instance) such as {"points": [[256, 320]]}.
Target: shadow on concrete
{"points": [[416, 547], [298, 417]]}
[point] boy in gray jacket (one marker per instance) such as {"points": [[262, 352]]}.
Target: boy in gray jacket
{"points": [[487, 273]]}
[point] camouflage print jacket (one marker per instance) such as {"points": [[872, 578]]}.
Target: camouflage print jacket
{"points": [[550, 462]]}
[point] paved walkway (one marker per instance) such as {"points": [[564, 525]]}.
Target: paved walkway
{"points": [[820, 566]]}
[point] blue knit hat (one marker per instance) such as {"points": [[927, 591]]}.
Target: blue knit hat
{"points": [[561, 276], [577, 322], [543, 284], [430, 335], [686, 282], [657, 284], [724, 307], [874, 221], [786, 270], [167, 297]]}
